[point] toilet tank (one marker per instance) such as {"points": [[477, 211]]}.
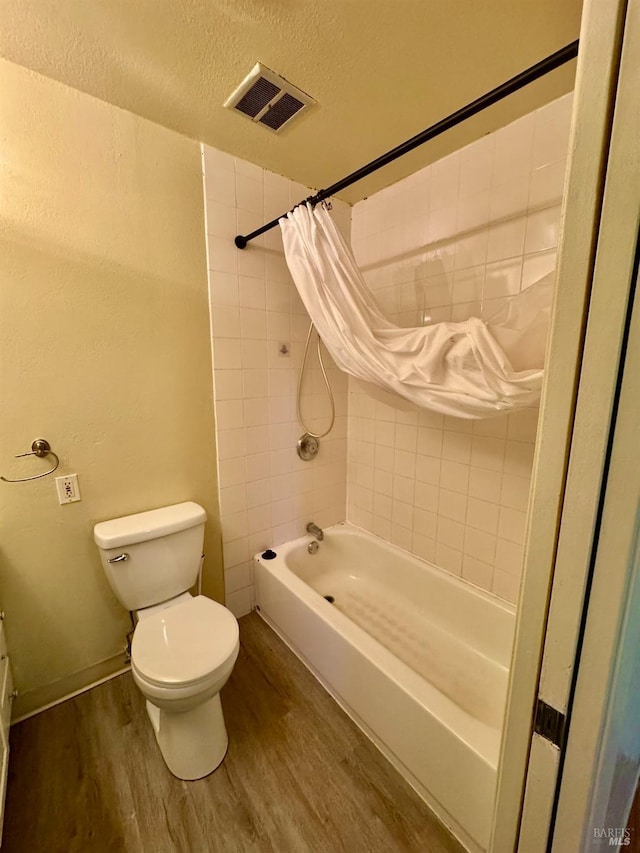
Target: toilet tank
{"points": [[163, 548]]}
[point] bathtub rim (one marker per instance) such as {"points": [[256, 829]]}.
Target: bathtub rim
{"points": [[441, 574]]}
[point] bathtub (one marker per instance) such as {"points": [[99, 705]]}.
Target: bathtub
{"points": [[418, 658]]}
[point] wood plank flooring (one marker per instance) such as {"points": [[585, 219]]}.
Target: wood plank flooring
{"points": [[87, 776]]}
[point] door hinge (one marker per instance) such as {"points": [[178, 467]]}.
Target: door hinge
{"points": [[550, 723]]}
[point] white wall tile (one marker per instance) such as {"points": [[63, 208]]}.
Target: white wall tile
{"points": [[508, 556], [518, 458], [249, 194], [505, 585], [220, 219], [511, 525], [536, 266], [253, 323], [258, 493], [429, 441], [476, 163], [250, 262], [403, 487], [222, 254], [230, 414], [401, 536], [221, 185], [448, 558], [487, 452], [551, 136], [510, 200], [256, 439], [506, 240], [479, 544], [266, 494], [503, 278], [236, 552], [230, 443], [445, 180], [238, 577], [423, 546], [456, 447], [467, 285], [226, 354], [240, 602], [228, 383], [215, 162], [450, 533], [547, 184], [425, 523], [223, 288], [515, 491], [471, 231], [454, 476], [252, 292], [471, 249], [234, 526], [426, 496], [542, 230], [482, 515], [225, 321], [401, 513], [231, 472], [233, 499], [477, 572], [513, 154]]}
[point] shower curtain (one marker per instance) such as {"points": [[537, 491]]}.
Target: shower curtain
{"points": [[470, 369]]}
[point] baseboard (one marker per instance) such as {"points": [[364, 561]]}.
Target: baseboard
{"points": [[40, 698]]}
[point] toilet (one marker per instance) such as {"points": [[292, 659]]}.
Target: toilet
{"points": [[184, 647]]}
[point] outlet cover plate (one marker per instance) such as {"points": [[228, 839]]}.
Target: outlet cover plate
{"points": [[68, 489]]}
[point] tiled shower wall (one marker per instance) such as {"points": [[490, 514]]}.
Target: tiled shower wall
{"points": [[453, 241], [267, 494]]}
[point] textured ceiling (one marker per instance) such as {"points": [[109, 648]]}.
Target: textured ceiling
{"points": [[380, 70]]}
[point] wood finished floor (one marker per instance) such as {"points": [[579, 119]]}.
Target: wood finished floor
{"points": [[299, 776]]}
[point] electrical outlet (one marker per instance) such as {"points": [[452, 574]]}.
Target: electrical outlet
{"points": [[68, 489]]}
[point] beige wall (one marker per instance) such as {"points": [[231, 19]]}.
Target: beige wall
{"points": [[105, 352], [379, 70]]}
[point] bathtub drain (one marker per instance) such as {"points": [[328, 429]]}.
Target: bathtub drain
{"points": [[329, 598]]}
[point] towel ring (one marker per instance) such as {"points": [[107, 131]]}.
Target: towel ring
{"points": [[40, 448]]}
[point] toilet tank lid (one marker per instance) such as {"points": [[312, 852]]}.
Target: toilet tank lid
{"points": [[152, 524]]}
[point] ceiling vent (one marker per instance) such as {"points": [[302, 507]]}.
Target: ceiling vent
{"points": [[268, 99]]}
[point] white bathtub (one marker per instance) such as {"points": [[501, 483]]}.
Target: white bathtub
{"points": [[418, 658]]}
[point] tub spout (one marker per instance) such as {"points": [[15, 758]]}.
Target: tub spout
{"points": [[314, 530]]}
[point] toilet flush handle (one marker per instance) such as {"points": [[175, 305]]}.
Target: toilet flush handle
{"points": [[119, 559]]}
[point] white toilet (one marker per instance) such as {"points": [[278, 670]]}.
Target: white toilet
{"points": [[184, 647]]}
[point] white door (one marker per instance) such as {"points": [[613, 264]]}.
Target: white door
{"points": [[573, 453], [599, 769]]}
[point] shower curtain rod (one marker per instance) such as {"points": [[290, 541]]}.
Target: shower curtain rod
{"points": [[550, 63]]}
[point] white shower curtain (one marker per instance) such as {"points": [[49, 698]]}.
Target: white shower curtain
{"points": [[470, 369]]}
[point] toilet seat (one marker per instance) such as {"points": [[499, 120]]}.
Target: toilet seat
{"points": [[185, 645]]}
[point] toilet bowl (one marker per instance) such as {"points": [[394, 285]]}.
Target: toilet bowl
{"points": [[184, 647], [182, 654]]}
